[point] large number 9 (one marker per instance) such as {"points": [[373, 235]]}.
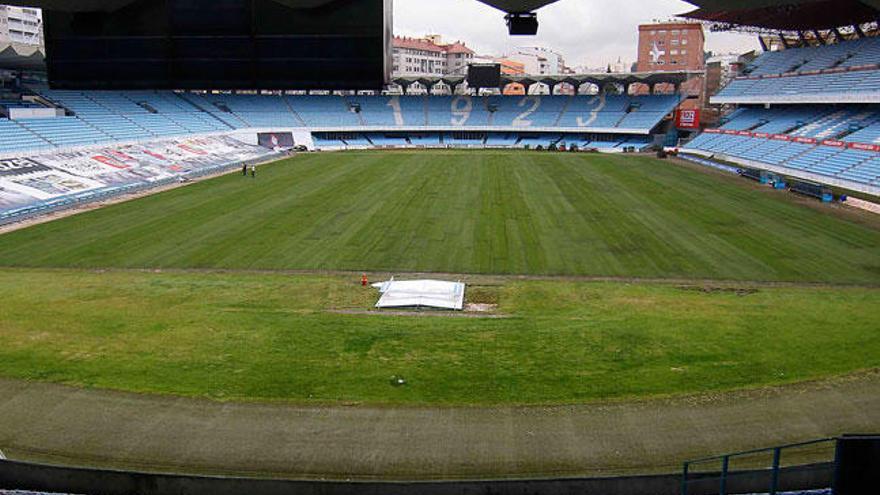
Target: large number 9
{"points": [[462, 106]]}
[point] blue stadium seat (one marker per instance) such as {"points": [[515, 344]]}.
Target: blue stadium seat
{"points": [[839, 125]]}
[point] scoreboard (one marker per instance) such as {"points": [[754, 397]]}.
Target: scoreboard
{"points": [[221, 44]]}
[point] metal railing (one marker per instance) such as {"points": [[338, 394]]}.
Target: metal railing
{"points": [[814, 455]]}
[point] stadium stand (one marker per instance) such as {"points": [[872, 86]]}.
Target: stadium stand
{"points": [[841, 55], [848, 71], [104, 117], [833, 141], [818, 120], [857, 83]]}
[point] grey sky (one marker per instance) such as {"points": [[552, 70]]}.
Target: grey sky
{"points": [[587, 32]]}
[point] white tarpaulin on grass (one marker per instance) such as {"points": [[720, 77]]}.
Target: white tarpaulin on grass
{"points": [[421, 294]]}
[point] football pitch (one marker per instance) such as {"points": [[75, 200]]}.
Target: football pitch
{"points": [[469, 213], [242, 295]]}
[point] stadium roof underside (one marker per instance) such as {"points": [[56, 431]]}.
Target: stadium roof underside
{"points": [[787, 15], [599, 79], [18, 57], [113, 5]]}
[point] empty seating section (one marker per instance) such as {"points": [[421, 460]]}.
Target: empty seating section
{"points": [[390, 111], [6, 104], [65, 131], [457, 111], [543, 141], [502, 139], [180, 112], [618, 111], [465, 139], [828, 133], [101, 117], [600, 111], [387, 140], [816, 84], [254, 110], [205, 104], [774, 121], [869, 134], [845, 54], [529, 111], [429, 139], [15, 137], [851, 123], [323, 111]]}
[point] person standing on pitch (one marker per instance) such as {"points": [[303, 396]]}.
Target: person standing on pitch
{"points": [[253, 171], [244, 169]]}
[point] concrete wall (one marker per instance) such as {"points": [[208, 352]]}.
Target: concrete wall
{"points": [[24, 476]]}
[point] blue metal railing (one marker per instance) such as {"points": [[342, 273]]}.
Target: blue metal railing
{"points": [[724, 475]]}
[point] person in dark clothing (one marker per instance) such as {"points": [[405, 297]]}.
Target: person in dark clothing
{"points": [[244, 169]]}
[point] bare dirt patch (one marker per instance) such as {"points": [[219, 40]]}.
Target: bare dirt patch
{"points": [[739, 291], [480, 308]]}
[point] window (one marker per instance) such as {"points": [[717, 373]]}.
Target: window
{"points": [[673, 52], [674, 42], [684, 52], [684, 41], [676, 32]]}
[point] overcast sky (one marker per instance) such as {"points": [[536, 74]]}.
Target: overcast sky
{"points": [[589, 33]]}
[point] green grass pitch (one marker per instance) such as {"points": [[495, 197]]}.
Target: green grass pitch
{"points": [[240, 335], [493, 212]]}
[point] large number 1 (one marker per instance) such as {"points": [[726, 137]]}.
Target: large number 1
{"points": [[462, 106], [394, 103]]}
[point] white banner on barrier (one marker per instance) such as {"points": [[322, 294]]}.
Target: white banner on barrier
{"points": [[31, 180]]}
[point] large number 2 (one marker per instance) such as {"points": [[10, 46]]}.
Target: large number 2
{"points": [[522, 120], [597, 101], [462, 106], [394, 103]]}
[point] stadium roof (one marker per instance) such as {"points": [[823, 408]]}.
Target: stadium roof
{"points": [[112, 5], [21, 57], [787, 15]]}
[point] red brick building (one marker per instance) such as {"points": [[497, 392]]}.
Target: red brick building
{"points": [[672, 46]]}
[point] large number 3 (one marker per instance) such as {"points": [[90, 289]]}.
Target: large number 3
{"points": [[462, 106], [522, 120], [394, 103]]}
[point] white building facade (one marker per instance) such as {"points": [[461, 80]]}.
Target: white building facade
{"points": [[21, 26], [539, 61], [430, 57]]}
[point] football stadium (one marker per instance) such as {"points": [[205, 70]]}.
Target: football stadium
{"points": [[246, 247]]}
